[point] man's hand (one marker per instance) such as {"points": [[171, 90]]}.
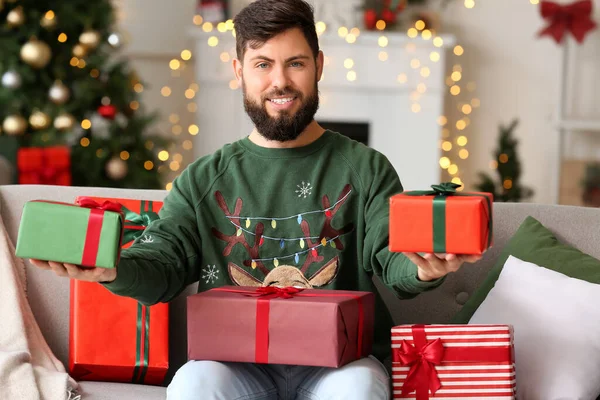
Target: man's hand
{"points": [[434, 266], [104, 275]]}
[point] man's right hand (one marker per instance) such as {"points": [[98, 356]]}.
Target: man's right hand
{"points": [[103, 275]]}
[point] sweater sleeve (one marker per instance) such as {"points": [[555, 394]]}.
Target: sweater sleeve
{"points": [[159, 269], [395, 270]]}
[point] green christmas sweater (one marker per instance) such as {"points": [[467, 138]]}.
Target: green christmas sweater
{"points": [[315, 216]]}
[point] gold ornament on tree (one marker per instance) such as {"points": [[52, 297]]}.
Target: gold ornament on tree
{"points": [[14, 125], [39, 120], [80, 50], [90, 39], [59, 93], [64, 122], [36, 53], [48, 21], [116, 168], [15, 17]]}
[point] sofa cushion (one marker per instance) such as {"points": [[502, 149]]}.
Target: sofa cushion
{"points": [[120, 391], [534, 243], [556, 321]]}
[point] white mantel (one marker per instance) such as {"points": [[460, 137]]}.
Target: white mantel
{"points": [[410, 140]]}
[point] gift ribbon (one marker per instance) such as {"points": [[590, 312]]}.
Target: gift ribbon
{"points": [[440, 193], [423, 356], [136, 223], [574, 18], [94, 227], [265, 294], [142, 346]]}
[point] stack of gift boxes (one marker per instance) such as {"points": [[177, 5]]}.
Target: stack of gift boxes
{"points": [[450, 361]]}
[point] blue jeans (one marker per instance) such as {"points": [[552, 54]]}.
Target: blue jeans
{"points": [[365, 379]]}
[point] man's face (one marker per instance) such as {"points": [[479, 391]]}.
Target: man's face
{"points": [[279, 82]]}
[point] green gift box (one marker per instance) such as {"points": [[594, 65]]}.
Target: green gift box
{"points": [[86, 234]]}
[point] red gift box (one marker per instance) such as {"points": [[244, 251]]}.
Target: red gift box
{"points": [[44, 165], [115, 338], [441, 221], [453, 362], [269, 325]]}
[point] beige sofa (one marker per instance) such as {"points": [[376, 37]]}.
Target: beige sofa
{"points": [[49, 294]]}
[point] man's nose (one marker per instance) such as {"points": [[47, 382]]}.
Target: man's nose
{"points": [[280, 78]]}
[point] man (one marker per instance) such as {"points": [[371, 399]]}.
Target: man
{"points": [[290, 205]]}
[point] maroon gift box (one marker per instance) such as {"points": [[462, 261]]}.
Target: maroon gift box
{"points": [[326, 328]]}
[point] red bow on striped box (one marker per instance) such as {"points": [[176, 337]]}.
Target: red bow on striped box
{"points": [[453, 362]]}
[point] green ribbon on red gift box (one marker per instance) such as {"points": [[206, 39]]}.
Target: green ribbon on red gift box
{"points": [[441, 193], [136, 223], [264, 296]]}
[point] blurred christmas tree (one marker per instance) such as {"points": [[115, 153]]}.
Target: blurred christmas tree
{"points": [[508, 166], [591, 185], [62, 86]]}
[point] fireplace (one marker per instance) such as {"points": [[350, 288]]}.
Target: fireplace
{"points": [[374, 102], [358, 131]]}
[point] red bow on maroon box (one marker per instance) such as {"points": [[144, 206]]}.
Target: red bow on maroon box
{"points": [[44, 165], [574, 18]]}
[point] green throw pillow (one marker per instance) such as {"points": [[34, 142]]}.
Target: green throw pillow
{"points": [[534, 243]]}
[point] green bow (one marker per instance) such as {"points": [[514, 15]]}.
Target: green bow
{"points": [[443, 189], [134, 221], [441, 192]]}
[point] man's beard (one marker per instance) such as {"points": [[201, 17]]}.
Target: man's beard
{"points": [[286, 126]]}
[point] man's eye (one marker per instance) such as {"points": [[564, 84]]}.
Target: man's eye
{"points": [[296, 64], [262, 65]]}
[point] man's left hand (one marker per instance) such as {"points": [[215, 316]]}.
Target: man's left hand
{"points": [[432, 266]]}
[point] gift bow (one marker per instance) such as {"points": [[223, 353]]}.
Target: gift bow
{"points": [[422, 376], [272, 291], [136, 223], [573, 17], [86, 202], [443, 189]]}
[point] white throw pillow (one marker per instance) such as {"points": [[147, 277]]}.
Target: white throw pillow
{"points": [[556, 322]]}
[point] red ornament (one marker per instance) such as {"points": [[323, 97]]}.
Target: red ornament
{"points": [[261, 241], [388, 16], [328, 213], [314, 252], [370, 19], [108, 111]]}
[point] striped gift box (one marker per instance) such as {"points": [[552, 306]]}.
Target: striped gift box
{"points": [[453, 362]]}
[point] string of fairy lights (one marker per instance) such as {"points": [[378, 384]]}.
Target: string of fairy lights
{"points": [[461, 102]]}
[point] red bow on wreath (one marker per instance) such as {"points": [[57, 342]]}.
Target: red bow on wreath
{"points": [[574, 18]]}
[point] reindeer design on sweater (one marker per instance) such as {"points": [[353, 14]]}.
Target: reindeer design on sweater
{"points": [[284, 275]]}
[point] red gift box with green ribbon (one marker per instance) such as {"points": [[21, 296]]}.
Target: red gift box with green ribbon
{"points": [[314, 327], [441, 220], [115, 338]]}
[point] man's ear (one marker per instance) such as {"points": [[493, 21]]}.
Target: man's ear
{"points": [[237, 70], [320, 62]]}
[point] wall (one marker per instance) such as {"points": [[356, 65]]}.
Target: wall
{"points": [[515, 72]]}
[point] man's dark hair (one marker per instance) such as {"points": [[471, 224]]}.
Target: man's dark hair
{"points": [[264, 19]]}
